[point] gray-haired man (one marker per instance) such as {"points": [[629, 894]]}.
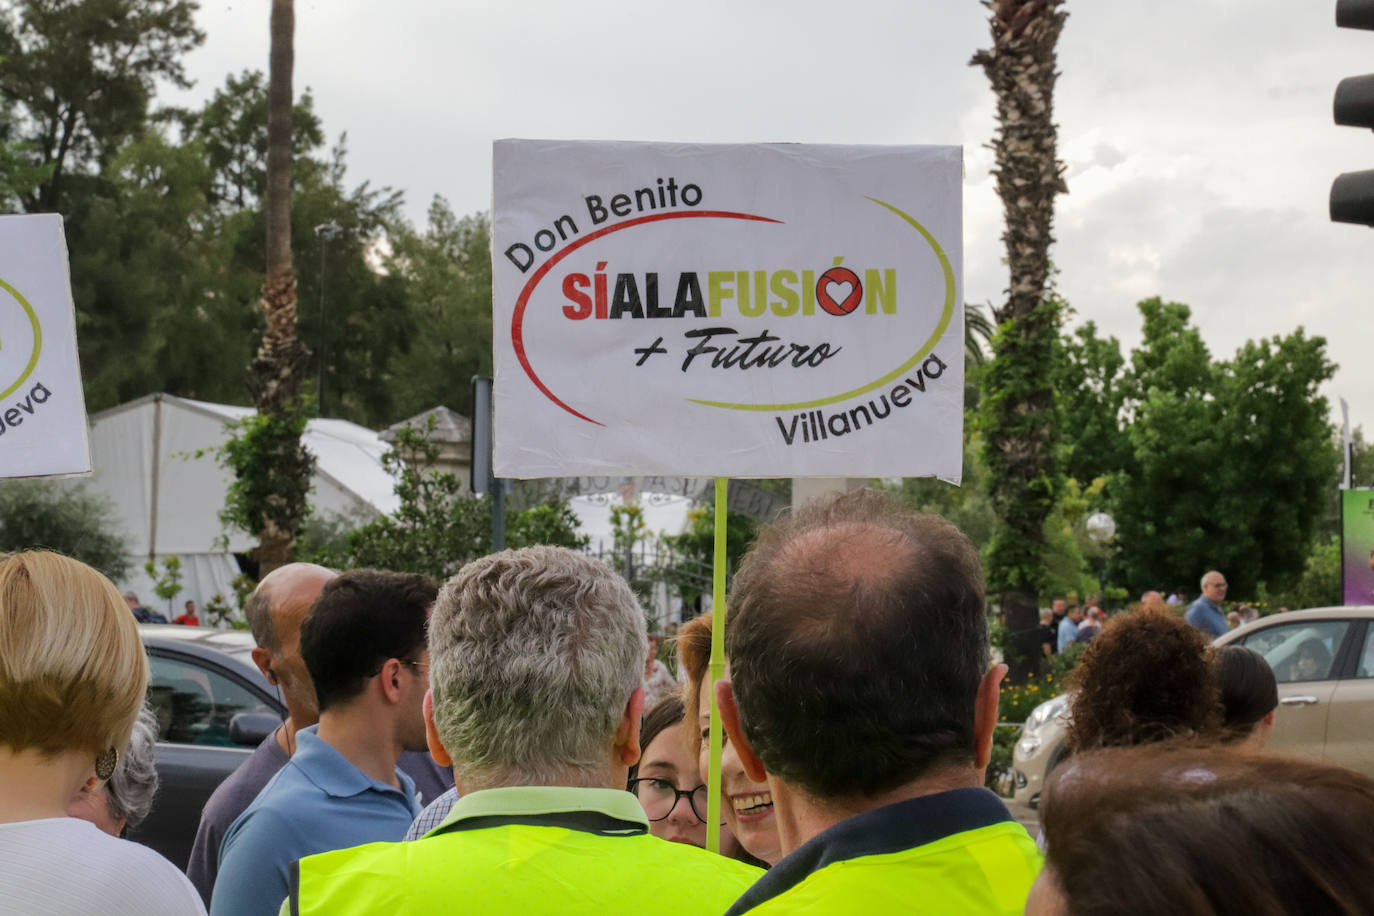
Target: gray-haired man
{"points": [[537, 662]]}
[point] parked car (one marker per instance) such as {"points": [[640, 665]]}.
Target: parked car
{"points": [[213, 707], [1323, 660]]}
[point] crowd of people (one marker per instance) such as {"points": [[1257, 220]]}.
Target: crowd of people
{"points": [[858, 707]]}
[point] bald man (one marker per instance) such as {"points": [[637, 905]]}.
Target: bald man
{"points": [[1205, 613], [275, 612], [1152, 602]]}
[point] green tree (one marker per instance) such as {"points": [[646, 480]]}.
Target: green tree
{"points": [[1018, 395], [1209, 463], [447, 275], [166, 585], [46, 515], [691, 554], [1089, 381], [79, 78], [437, 527]]}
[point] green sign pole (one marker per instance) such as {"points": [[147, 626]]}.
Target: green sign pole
{"points": [[716, 670]]}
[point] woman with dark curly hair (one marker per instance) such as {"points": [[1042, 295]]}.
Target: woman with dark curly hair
{"points": [[1146, 678]]}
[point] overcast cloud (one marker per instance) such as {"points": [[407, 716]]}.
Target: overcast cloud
{"points": [[1197, 135]]}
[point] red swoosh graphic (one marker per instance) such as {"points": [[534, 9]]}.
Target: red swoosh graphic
{"points": [[517, 331]]}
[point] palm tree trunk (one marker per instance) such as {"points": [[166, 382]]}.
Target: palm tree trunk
{"points": [[281, 356], [1018, 400]]}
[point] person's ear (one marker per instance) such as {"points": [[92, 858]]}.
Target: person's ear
{"points": [[729, 720], [626, 749], [263, 659], [390, 679], [436, 747], [985, 714]]}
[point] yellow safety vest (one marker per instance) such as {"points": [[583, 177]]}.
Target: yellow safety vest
{"points": [[524, 851], [958, 852]]}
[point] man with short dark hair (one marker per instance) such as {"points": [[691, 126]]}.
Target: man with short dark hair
{"points": [[188, 618], [363, 643], [536, 696], [859, 688], [275, 612]]}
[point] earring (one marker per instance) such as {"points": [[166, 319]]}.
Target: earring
{"points": [[105, 763]]}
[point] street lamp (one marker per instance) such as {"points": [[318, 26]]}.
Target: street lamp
{"points": [[324, 232]]}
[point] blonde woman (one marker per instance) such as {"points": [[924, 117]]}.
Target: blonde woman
{"points": [[72, 680]]}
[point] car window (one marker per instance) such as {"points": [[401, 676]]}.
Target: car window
{"points": [[1299, 651], [1365, 667], [194, 703]]}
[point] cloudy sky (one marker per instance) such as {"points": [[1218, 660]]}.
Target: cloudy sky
{"points": [[1198, 135]]}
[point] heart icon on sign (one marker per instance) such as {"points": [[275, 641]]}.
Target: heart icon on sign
{"points": [[839, 291]]}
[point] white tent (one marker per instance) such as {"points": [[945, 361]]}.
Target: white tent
{"points": [[154, 460]]}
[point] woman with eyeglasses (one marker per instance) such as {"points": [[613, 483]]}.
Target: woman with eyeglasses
{"points": [[666, 781], [72, 680]]}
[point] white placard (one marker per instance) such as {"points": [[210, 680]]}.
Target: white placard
{"points": [[695, 310], [42, 407]]}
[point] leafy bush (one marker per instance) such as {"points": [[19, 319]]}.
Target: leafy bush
{"points": [[438, 527], [42, 514]]}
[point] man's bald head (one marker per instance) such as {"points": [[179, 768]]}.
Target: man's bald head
{"points": [[282, 599], [1152, 602], [275, 612]]}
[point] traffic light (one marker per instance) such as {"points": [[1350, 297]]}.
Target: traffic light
{"points": [[1352, 194]]}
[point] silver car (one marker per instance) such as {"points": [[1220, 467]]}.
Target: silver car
{"points": [[1323, 660]]}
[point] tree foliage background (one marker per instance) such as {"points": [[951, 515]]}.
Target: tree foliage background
{"points": [[48, 515], [165, 225], [1203, 462]]}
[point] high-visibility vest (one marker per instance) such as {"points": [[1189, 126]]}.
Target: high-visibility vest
{"points": [[984, 871], [525, 869]]}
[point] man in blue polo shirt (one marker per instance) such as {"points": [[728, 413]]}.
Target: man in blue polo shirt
{"points": [[859, 687], [1205, 613], [363, 643]]}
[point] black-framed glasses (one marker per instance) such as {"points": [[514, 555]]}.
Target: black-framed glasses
{"points": [[659, 797]]}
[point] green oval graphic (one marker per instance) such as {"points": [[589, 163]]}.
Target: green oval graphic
{"points": [[946, 316], [37, 339]]}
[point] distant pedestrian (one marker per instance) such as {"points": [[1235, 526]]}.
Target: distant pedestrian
{"points": [[1091, 625], [1205, 613], [141, 613], [1045, 636], [188, 619], [1068, 628], [659, 682], [1153, 603]]}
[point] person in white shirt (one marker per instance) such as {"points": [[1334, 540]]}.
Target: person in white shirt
{"points": [[72, 681]]}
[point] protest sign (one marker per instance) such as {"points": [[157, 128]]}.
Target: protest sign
{"points": [[770, 310], [42, 407], [1357, 546]]}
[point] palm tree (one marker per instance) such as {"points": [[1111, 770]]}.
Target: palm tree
{"points": [[281, 467], [1018, 395]]}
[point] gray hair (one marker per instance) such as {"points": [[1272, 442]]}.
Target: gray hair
{"points": [[1202, 583], [534, 654], [258, 610], [129, 793]]}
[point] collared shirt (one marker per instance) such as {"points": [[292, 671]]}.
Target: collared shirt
{"points": [[1207, 617], [236, 793], [958, 851], [318, 801], [528, 850], [1068, 632], [433, 815]]}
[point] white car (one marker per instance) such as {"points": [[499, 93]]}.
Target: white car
{"points": [[1323, 660]]}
